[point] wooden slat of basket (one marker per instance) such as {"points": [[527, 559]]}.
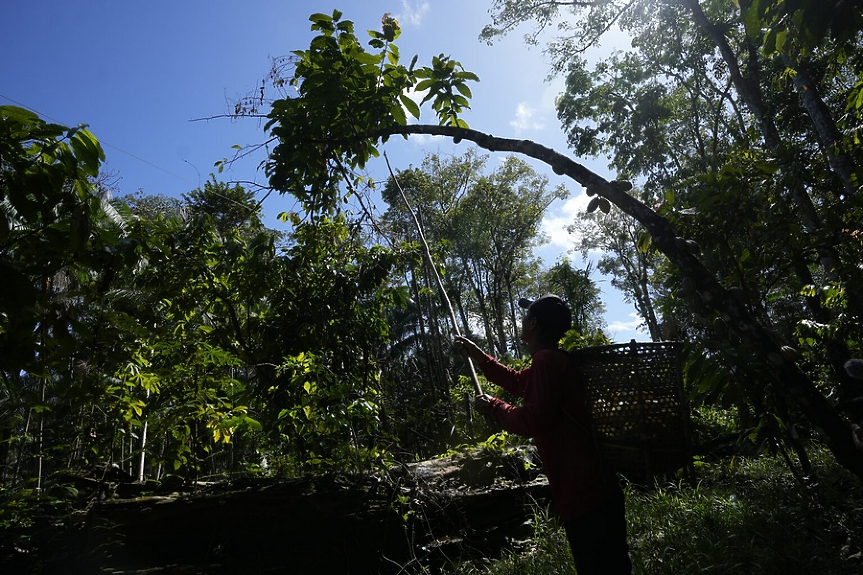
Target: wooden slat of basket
{"points": [[640, 415]]}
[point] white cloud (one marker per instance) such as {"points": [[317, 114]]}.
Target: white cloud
{"points": [[534, 117], [424, 140], [413, 13], [526, 119], [554, 223], [627, 330]]}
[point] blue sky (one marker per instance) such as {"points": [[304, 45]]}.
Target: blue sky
{"points": [[140, 73]]}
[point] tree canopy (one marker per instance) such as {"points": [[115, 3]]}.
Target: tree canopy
{"points": [[688, 166], [182, 337]]}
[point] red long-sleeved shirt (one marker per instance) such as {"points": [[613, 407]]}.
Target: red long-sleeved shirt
{"points": [[554, 413]]}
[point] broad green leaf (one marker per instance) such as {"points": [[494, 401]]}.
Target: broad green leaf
{"points": [[464, 90], [410, 105], [320, 17], [399, 114], [19, 115], [645, 242], [424, 85]]}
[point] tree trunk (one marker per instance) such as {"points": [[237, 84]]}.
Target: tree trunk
{"points": [[749, 89], [143, 456], [829, 137]]}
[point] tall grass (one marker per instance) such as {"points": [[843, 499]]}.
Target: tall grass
{"points": [[741, 516]]}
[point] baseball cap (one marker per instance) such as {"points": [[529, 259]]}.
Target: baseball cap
{"points": [[550, 313]]}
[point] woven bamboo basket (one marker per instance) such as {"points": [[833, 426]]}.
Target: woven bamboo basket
{"points": [[640, 415]]}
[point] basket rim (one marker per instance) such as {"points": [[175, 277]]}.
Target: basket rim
{"points": [[636, 344]]}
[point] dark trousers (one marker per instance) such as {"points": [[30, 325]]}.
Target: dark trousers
{"points": [[598, 540]]}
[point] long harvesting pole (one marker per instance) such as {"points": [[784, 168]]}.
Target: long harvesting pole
{"points": [[476, 387]]}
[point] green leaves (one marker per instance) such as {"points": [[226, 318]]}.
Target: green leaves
{"points": [[442, 81], [50, 220], [87, 150], [411, 106], [788, 26], [349, 101]]}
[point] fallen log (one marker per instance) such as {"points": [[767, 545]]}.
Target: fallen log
{"points": [[419, 516]]}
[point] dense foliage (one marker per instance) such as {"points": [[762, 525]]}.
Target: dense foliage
{"points": [[166, 337], [161, 337]]}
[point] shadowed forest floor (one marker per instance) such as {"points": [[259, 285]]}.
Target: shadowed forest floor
{"points": [[482, 512]]}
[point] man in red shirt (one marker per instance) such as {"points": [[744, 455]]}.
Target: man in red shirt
{"points": [[585, 493]]}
